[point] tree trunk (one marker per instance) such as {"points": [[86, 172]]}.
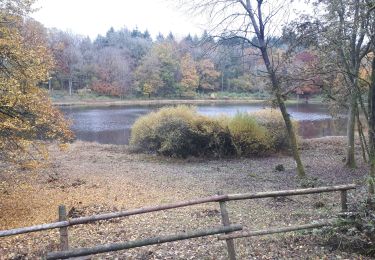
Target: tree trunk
{"points": [[222, 81], [350, 153], [260, 34], [292, 136], [362, 138], [49, 86], [371, 134], [70, 86], [288, 123]]}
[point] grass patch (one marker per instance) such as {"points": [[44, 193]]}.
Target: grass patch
{"points": [[249, 138], [273, 121]]}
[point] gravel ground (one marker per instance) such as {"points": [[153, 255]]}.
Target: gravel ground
{"points": [[92, 178]]}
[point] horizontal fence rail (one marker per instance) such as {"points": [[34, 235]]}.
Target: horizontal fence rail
{"points": [[227, 230], [140, 243], [283, 193], [215, 198], [275, 230], [106, 216]]}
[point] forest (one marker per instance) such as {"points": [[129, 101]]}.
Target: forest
{"points": [[129, 63]]}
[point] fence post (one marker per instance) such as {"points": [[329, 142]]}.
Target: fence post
{"points": [[64, 240], [226, 222], [344, 200]]}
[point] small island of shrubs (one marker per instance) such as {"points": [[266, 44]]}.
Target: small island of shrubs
{"points": [[181, 132]]}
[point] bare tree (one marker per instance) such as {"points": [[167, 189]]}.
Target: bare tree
{"points": [[348, 22], [371, 131], [255, 22], [346, 33], [371, 103], [64, 46], [339, 32]]}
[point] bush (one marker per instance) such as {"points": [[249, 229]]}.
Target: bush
{"points": [[248, 136], [107, 89], [273, 121], [174, 136], [353, 231], [213, 137], [179, 132]]}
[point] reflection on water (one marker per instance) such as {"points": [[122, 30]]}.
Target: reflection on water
{"points": [[319, 128], [111, 125], [120, 136]]}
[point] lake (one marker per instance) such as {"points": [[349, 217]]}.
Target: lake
{"points": [[112, 125]]}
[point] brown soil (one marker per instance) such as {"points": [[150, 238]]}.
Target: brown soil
{"points": [[91, 178]]}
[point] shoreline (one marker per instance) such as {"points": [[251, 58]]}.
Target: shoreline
{"points": [[144, 102], [154, 102]]}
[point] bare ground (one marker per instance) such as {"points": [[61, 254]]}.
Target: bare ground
{"points": [[91, 178]]}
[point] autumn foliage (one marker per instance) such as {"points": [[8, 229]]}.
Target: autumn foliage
{"points": [[27, 117]]}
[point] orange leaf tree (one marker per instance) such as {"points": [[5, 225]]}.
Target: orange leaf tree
{"points": [[27, 117]]}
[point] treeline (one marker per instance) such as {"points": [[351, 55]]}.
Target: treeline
{"points": [[130, 63]]}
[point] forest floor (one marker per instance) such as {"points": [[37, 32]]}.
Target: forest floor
{"points": [[91, 178]]}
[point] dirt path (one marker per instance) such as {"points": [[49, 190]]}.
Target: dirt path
{"points": [[94, 178]]}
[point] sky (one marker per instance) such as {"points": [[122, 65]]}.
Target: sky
{"points": [[93, 17]]}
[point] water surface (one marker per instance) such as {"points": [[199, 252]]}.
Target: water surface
{"points": [[112, 125]]}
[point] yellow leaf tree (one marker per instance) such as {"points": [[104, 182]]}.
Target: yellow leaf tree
{"points": [[27, 117], [190, 79], [207, 75]]}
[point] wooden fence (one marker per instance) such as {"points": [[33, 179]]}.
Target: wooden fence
{"points": [[227, 229]]}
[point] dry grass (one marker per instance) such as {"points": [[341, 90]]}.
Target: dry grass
{"points": [[273, 121], [249, 137]]}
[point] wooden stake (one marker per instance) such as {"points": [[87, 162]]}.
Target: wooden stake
{"points": [[344, 201], [64, 240], [226, 222]]}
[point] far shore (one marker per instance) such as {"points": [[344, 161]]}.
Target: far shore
{"points": [[156, 102], [151, 102]]}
